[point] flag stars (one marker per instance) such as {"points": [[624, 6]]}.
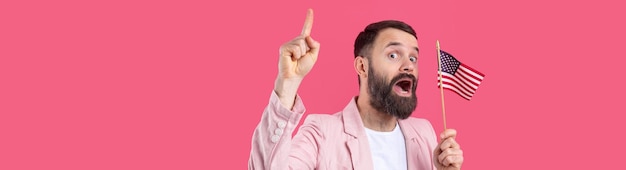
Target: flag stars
{"points": [[449, 63]]}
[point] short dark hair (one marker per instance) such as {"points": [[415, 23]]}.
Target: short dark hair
{"points": [[365, 39]]}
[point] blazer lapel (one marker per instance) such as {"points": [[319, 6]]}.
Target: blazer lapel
{"points": [[358, 145], [417, 157]]}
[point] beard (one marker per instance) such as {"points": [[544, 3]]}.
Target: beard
{"points": [[384, 99]]}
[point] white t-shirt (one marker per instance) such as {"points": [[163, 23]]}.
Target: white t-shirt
{"points": [[388, 149]]}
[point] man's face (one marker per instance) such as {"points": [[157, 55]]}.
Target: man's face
{"points": [[392, 73]]}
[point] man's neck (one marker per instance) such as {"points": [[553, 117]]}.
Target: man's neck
{"points": [[374, 119]]}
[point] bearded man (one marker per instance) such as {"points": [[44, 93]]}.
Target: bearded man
{"points": [[374, 131]]}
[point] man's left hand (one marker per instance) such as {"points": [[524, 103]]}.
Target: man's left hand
{"points": [[448, 154]]}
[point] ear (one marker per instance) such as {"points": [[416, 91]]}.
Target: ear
{"points": [[361, 66]]}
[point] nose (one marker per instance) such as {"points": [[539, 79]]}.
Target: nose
{"points": [[407, 66]]}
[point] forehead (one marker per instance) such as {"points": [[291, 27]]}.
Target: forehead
{"points": [[388, 35]]}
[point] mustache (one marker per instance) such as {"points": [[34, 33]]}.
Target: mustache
{"points": [[402, 76]]}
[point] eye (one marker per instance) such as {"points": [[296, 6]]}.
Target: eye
{"points": [[413, 59], [393, 55]]}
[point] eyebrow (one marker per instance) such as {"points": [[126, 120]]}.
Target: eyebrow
{"points": [[399, 44]]}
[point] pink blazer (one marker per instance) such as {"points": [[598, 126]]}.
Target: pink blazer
{"points": [[327, 141]]}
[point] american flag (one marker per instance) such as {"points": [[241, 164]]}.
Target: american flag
{"points": [[459, 77]]}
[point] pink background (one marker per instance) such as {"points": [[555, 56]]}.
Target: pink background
{"points": [[182, 84]]}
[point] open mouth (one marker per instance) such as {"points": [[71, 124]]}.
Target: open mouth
{"points": [[404, 86]]}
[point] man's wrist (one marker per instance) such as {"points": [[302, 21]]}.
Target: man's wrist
{"points": [[286, 90]]}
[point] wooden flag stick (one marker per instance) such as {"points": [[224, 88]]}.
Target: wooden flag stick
{"points": [[443, 107]]}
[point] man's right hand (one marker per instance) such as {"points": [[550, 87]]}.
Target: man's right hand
{"points": [[297, 58]]}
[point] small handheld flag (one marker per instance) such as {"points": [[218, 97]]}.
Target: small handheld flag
{"points": [[456, 76]]}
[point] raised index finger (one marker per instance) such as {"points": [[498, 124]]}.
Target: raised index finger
{"points": [[308, 23]]}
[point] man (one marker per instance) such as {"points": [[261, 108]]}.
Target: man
{"points": [[374, 131]]}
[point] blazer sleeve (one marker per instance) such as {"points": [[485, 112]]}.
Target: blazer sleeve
{"points": [[272, 144]]}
